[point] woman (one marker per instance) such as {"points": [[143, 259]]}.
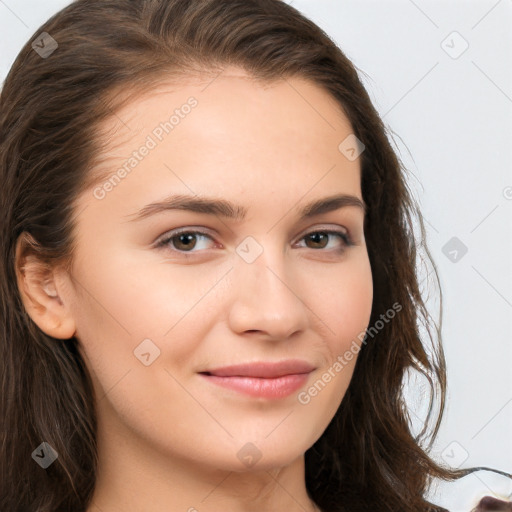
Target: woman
{"points": [[209, 296]]}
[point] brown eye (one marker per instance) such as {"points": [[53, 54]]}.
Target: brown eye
{"points": [[183, 241], [321, 239]]}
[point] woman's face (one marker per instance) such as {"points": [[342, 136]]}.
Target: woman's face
{"points": [[268, 285]]}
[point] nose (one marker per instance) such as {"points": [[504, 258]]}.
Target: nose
{"points": [[266, 298]]}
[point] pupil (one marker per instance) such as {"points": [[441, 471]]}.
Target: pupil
{"points": [[186, 240], [315, 236]]}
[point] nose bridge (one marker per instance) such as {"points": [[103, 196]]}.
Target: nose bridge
{"points": [[263, 262], [264, 296]]}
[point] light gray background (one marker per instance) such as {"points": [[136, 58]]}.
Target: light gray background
{"points": [[450, 112]]}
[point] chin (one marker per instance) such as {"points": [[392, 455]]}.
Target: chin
{"points": [[265, 450]]}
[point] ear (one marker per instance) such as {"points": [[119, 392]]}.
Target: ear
{"points": [[41, 289]]}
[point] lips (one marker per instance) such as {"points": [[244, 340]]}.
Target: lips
{"points": [[263, 369], [262, 379]]}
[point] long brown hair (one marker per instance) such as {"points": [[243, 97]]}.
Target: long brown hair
{"points": [[50, 109]]}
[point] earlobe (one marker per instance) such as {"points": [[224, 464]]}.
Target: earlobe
{"points": [[40, 295]]}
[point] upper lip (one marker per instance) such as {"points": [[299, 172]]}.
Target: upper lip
{"points": [[263, 369]]}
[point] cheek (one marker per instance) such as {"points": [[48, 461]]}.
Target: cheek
{"points": [[345, 309], [126, 300], [345, 304], [136, 297]]}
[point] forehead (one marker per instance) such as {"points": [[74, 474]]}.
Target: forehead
{"points": [[230, 131]]}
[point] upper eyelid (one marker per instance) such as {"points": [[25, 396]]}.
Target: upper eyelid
{"points": [[206, 231]]}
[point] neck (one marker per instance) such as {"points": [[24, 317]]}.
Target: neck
{"points": [[135, 478]]}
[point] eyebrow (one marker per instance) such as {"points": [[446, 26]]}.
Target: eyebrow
{"points": [[229, 210]]}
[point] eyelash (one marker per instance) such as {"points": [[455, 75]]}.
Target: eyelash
{"points": [[164, 243]]}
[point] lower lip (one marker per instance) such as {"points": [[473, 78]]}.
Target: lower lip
{"points": [[277, 387]]}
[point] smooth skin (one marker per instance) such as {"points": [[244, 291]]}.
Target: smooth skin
{"points": [[169, 440]]}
